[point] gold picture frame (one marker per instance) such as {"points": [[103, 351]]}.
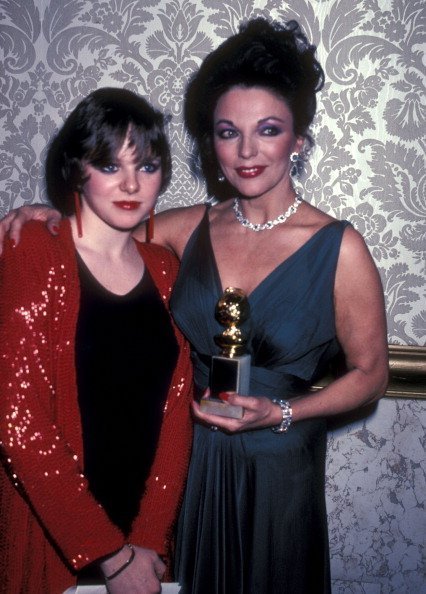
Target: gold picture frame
{"points": [[407, 376], [407, 373]]}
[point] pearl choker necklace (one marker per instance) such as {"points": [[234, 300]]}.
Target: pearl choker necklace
{"points": [[269, 224]]}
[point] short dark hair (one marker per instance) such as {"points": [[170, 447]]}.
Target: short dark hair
{"points": [[94, 133], [262, 54]]}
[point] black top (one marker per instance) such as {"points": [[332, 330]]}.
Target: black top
{"points": [[126, 352]]}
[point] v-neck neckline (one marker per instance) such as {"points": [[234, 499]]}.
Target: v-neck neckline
{"points": [[97, 283], [272, 273]]}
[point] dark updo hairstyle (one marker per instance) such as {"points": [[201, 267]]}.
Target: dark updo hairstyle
{"points": [[94, 133], [263, 54]]}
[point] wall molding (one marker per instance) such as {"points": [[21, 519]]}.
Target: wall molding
{"points": [[407, 373], [407, 377]]}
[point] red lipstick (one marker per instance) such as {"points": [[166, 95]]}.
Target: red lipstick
{"points": [[127, 204], [250, 172]]}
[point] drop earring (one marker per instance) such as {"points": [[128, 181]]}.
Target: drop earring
{"points": [[220, 176], [77, 208], [294, 162], [150, 226]]}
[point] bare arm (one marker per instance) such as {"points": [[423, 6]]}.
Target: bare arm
{"points": [[173, 228], [361, 330]]}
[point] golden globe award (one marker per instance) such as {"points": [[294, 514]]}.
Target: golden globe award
{"points": [[230, 371]]}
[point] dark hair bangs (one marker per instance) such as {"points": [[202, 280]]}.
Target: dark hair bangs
{"points": [[95, 132]]}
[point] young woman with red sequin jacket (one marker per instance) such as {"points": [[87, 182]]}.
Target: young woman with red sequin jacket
{"points": [[95, 426]]}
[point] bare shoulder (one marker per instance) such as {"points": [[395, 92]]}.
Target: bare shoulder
{"points": [[356, 268], [353, 243], [353, 246], [173, 228], [314, 217], [182, 214]]}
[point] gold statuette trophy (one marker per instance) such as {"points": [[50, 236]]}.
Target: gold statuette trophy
{"points": [[230, 371]]}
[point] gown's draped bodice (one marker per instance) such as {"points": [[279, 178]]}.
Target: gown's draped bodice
{"points": [[253, 520], [291, 330]]}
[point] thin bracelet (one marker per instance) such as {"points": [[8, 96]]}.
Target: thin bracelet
{"points": [[125, 564]]}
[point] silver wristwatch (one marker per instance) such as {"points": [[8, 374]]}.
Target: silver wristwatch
{"points": [[287, 416]]}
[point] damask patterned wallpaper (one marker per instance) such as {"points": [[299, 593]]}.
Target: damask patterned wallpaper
{"points": [[369, 163], [368, 167]]}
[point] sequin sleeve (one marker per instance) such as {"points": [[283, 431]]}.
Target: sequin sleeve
{"points": [[164, 488], [40, 434]]}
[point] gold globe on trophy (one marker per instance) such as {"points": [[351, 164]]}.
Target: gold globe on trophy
{"points": [[230, 370]]}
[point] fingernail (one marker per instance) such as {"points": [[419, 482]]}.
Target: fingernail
{"points": [[224, 396]]}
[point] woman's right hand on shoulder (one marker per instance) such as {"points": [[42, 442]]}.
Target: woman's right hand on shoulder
{"points": [[13, 222], [142, 575]]}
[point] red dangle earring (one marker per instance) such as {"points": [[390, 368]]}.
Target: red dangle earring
{"points": [[150, 226], [77, 207]]}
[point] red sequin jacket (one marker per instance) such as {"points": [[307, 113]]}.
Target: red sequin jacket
{"points": [[50, 524]]}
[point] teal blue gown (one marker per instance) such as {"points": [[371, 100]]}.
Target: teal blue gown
{"points": [[253, 519]]}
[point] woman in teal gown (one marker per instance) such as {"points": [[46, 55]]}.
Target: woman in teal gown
{"points": [[253, 520], [254, 502]]}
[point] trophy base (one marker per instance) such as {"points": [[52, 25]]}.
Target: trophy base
{"points": [[229, 375], [214, 406]]}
